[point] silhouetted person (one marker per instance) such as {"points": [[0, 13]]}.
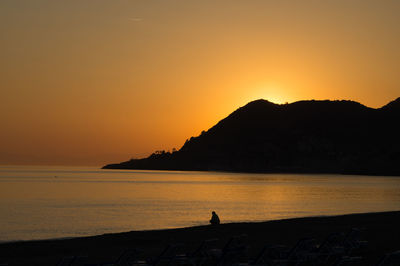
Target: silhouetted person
{"points": [[214, 219]]}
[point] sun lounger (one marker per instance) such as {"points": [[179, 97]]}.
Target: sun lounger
{"points": [[330, 249], [352, 240], [337, 246], [73, 261], [391, 259], [268, 255], [348, 261], [303, 251], [204, 253], [65, 261], [171, 255], [234, 251], [126, 258]]}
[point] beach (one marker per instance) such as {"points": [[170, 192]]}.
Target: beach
{"points": [[381, 230]]}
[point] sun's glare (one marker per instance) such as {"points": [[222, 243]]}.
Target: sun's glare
{"points": [[276, 99], [271, 93]]}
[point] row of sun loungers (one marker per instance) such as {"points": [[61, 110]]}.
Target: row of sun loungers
{"points": [[336, 250]]}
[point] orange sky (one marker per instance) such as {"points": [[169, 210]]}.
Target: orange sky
{"points": [[95, 82]]}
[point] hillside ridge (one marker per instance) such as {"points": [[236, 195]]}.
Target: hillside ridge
{"points": [[302, 137]]}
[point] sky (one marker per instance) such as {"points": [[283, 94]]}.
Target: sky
{"points": [[90, 82]]}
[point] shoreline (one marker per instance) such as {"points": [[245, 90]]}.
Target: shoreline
{"points": [[258, 172], [380, 229], [183, 228]]}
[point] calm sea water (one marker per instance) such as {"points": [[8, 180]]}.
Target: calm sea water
{"points": [[53, 202]]}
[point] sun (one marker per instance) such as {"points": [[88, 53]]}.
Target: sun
{"points": [[275, 99], [272, 94]]}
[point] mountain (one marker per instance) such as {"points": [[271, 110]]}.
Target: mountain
{"points": [[394, 105], [302, 137]]}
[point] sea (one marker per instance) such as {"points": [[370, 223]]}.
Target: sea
{"points": [[43, 202]]}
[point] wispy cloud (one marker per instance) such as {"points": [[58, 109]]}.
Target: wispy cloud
{"points": [[135, 19]]}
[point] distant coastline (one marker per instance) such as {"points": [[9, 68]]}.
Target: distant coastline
{"points": [[110, 167], [331, 137]]}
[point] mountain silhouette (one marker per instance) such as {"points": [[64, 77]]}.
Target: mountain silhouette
{"points": [[302, 137], [394, 105]]}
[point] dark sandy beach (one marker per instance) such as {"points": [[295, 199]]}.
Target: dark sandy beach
{"points": [[381, 230]]}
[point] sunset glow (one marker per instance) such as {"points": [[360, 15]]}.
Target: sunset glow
{"points": [[87, 83]]}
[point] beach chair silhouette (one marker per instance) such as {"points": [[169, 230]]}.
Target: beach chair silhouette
{"points": [[73, 261], [269, 254], [303, 248], [348, 261], [234, 250], [352, 240], [331, 248], [66, 261], [391, 259], [303, 251], [204, 253], [128, 257], [170, 255]]}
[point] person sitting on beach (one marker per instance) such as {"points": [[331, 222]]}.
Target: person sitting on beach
{"points": [[214, 219]]}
